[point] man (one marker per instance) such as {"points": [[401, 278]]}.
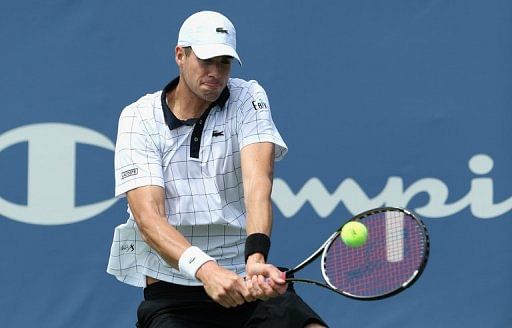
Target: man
{"points": [[195, 162]]}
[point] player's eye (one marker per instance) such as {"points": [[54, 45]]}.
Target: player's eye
{"points": [[225, 60]]}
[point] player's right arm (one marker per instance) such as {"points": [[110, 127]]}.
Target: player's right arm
{"points": [[147, 204]]}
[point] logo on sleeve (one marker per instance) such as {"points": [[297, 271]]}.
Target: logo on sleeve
{"points": [[128, 248], [129, 173], [259, 104]]}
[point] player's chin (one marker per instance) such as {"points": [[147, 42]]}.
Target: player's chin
{"points": [[211, 95]]}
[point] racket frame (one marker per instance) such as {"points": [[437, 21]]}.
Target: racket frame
{"points": [[322, 251]]}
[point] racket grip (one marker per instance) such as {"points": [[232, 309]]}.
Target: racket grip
{"points": [[284, 276]]}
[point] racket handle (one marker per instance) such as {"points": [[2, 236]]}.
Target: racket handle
{"points": [[284, 276]]}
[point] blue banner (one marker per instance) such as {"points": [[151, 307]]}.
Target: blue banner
{"points": [[397, 103]]}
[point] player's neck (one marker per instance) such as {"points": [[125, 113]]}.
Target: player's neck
{"points": [[184, 104]]}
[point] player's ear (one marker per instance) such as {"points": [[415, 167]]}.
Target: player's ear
{"points": [[179, 55]]}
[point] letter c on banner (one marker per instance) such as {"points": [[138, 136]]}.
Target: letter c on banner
{"points": [[51, 173]]}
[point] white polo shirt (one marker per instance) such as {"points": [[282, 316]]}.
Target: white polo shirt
{"points": [[198, 165]]}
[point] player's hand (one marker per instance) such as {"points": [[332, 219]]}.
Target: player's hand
{"points": [[264, 281], [223, 286]]}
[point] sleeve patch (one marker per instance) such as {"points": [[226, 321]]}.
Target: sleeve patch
{"points": [[129, 173], [259, 104]]}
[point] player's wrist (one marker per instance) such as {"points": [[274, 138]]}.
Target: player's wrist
{"points": [[257, 243], [256, 258], [206, 270], [191, 260]]}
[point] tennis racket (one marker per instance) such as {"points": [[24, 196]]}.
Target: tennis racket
{"points": [[391, 260]]}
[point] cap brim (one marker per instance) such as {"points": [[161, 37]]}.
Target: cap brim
{"points": [[214, 50]]}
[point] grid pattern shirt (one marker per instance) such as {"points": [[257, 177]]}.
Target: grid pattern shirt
{"points": [[198, 165]]}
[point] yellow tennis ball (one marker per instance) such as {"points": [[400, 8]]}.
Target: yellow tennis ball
{"points": [[354, 234]]}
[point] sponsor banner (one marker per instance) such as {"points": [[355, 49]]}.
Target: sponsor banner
{"points": [[381, 104]]}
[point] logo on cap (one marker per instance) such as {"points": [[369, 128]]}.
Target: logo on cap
{"points": [[221, 30]]}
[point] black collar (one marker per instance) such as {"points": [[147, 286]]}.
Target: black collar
{"points": [[171, 120]]}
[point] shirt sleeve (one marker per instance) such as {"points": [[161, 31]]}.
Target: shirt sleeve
{"points": [[138, 161], [256, 124]]}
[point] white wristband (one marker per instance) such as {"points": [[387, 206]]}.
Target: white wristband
{"points": [[191, 260]]}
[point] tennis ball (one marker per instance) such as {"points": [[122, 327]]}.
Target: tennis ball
{"points": [[354, 234]]}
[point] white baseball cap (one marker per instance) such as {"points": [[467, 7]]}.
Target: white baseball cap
{"points": [[210, 34]]}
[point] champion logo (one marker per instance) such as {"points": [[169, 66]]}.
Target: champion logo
{"points": [[479, 198], [52, 140]]}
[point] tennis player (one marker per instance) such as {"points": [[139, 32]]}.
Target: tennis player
{"points": [[195, 161]]}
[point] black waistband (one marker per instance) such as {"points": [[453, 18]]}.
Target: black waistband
{"points": [[163, 289]]}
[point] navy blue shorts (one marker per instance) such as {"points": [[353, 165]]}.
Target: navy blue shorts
{"points": [[168, 305]]}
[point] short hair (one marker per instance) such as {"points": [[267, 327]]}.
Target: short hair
{"points": [[187, 50]]}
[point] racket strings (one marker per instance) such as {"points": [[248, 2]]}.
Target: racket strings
{"points": [[390, 258]]}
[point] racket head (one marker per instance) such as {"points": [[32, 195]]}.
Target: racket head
{"points": [[392, 259]]}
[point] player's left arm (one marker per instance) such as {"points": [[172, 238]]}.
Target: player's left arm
{"points": [[264, 280], [257, 172]]}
